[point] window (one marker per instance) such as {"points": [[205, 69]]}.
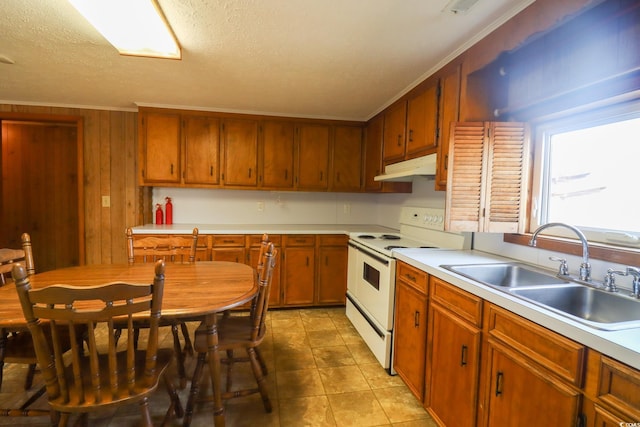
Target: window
{"points": [[587, 174]]}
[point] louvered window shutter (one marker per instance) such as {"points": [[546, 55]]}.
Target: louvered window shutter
{"points": [[488, 175]]}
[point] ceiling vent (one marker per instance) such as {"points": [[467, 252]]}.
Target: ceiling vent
{"points": [[459, 6]]}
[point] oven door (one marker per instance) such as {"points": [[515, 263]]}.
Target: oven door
{"points": [[375, 286]]}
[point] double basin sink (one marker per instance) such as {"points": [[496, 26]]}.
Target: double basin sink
{"points": [[593, 307]]}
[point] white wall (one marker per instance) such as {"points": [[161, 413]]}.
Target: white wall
{"points": [[211, 206]]}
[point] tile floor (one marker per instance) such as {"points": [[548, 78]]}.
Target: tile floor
{"points": [[320, 374]]}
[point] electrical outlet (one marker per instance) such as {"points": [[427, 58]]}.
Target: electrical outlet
{"points": [[346, 208], [260, 206], [106, 201]]}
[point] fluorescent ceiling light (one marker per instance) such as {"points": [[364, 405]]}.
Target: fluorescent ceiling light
{"points": [[134, 27]]}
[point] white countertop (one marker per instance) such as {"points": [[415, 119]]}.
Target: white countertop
{"points": [[261, 228], [623, 345]]}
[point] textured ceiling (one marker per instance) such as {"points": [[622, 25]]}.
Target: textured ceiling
{"points": [[345, 59]]}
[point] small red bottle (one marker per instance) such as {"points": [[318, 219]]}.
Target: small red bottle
{"points": [[168, 211], [158, 214]]}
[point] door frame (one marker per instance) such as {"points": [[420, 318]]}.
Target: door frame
{"points": [[79, 123]]}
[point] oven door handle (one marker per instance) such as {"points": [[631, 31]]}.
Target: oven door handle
{"points": [[368, 253]]}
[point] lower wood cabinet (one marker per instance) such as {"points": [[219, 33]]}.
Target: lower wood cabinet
{"points": [[311, 270], [453, 361], [410, 326]]}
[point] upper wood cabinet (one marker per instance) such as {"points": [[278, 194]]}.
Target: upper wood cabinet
{"points": [[394, 127], [422, 123], [160, 148], [488, 177], [449, 112], [346, 158], [373, 154], [277, 154], [201, 150], [240, 139], [312, 157]]}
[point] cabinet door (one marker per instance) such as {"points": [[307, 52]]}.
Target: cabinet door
{"points": [[202, 148], [373, 154], [347, 158], [394, 137], [240, 153], [313, 157], [454, 368], [520, 393], [448, 113], [410, 337], [299, 275], [422, 120], [332, 274], [160, 148], [277, 154]]}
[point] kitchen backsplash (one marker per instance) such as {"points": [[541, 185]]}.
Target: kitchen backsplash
{"points": [[212, 206]]}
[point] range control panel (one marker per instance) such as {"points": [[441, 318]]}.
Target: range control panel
{"points": [[429, 218]]}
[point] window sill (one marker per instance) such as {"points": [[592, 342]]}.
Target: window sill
{"points": [[614, 254]]}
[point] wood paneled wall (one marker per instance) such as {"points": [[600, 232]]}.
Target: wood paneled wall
{"points": [[110, 139]]}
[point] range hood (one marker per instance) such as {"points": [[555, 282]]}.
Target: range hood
{"points": [[405, 171]]}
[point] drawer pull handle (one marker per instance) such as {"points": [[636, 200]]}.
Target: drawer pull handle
{"points": [[463, 356], [416, 319], [499, 383], [410, 277]]}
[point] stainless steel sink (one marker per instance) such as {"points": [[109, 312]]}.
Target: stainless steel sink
{"points": [[505, 275], [593, 307]]}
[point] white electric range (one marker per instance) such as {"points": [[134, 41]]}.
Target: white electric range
{"points": [[371, 273]]}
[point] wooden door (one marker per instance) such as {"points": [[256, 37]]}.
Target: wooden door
{"points": [[410, 337], [299, 275], [373, 154], [202, 148], [347, 158], [240, 153], [39, 191], [454, 368], [422, 120], [277, 150], [159, 139], [313, 157], [394, 136], [332, 274], [519, 393]]}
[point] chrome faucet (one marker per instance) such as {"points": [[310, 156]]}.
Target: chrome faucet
{"points": [[585, 267]]}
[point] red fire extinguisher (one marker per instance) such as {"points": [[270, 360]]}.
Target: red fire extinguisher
{"points": [[158, 214], [168, 211]]}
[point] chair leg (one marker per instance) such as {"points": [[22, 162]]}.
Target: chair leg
{"points": [[188, 347], [263, 365], [30, 374], [177, 347], [175, 406], [230, 361], [257, 372], [146, 415], [195, 386]]}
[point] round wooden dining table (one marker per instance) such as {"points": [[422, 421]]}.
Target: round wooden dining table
{"points": [[195, 291]]}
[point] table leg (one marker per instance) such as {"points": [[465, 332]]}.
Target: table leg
{"points": [[214, 369]]}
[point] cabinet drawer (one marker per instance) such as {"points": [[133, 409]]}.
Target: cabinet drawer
{"points": [[412, 276], [456, 300], [560, 355], [333, 239], [619, 386], [255, 240], [223, 240], [300, 240]]}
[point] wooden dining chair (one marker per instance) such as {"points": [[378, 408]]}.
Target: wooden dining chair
{"points": [[17, 346], [169, 248], [105, 376], [238, 333]]}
